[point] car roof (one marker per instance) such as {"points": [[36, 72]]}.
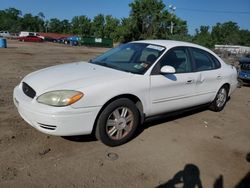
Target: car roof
{"points": [[172, 43], [168, 44]]}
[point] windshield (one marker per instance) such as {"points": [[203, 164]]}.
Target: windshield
{"points": [[132, 57]]}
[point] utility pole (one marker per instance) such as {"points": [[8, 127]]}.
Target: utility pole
{"points": [[46, 26], [172, 9]]}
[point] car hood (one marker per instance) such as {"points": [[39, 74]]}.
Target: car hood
{"points": [[73, 76]]}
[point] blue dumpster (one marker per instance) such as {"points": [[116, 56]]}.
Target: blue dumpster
{"points": [[3, 43]]}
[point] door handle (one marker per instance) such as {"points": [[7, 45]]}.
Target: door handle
{"points": [[219, 77], [190, 82]]}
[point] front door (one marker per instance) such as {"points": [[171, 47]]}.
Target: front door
{"points": [[171, 92]]}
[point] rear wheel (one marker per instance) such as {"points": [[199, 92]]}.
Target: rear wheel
{"points": [[220, 100], [117, 123]]}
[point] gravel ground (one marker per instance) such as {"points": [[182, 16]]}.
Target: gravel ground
{"points": [[198, 147]]}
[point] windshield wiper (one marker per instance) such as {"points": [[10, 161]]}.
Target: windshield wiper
{"points": [[105, 64], [102, 63]]}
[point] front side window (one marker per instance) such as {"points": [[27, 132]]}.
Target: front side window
{"points": [[177, 58], [132, 57]]}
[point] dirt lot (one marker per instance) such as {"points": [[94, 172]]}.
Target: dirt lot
{"points": [[199, 146]]}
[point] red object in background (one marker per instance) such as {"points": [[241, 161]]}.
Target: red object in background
{"points": [[30, 39], [54, 36]]}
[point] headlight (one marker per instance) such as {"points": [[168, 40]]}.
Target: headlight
{"points": [[60, 97]]}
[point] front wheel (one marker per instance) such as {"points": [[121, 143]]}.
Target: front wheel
{"points": [[220, 100], [117, 123]]}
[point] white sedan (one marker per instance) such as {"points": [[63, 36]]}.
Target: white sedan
{"points": [[112, 94]]}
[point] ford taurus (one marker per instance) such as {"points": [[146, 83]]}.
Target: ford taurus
{"points": [[113, 93]]}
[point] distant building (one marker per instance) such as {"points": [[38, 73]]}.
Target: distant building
{"points": [[233, 49]]}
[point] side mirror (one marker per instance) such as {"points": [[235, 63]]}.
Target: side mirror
{"points": [[167, 69]]}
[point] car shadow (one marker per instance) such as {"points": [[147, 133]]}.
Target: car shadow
{"points": [[164, 118], [149, 122], [80, 138], [245, 85]]}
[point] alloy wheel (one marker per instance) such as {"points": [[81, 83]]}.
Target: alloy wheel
{"points": [[221, 97], [119, 123]]}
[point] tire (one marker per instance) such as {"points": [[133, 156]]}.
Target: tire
{"points": [[220, 100], [117, 123]]}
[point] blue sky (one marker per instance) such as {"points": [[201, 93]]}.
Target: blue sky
{"points": [[195, 12]]}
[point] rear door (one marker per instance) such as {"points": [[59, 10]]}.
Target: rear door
{"points": [[209, 75], [171, 92]]}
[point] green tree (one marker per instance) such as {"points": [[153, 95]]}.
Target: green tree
{"points": [[226, 33], [203, 37], [81, 25], [10, 20], [163, 26], [146, 16], [111, 25], [55, 26], [32, 23], [41, 17], [180, 26], [66, 26], [125, 31], [150, 19], [181, 37], [244, 37], [98, 26]]}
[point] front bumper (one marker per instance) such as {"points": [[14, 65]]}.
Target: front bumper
{"points": [[60, 121], [244, 76]]}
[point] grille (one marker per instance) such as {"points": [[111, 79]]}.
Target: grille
{"points": [[29, 91], [245, 67], [48, 127]]}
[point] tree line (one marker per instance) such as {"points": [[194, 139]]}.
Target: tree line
{"points": [[228, 33], [148, 19]]}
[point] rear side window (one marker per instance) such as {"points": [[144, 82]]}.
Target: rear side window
{"points": [[204, 61], [216, 61]]}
